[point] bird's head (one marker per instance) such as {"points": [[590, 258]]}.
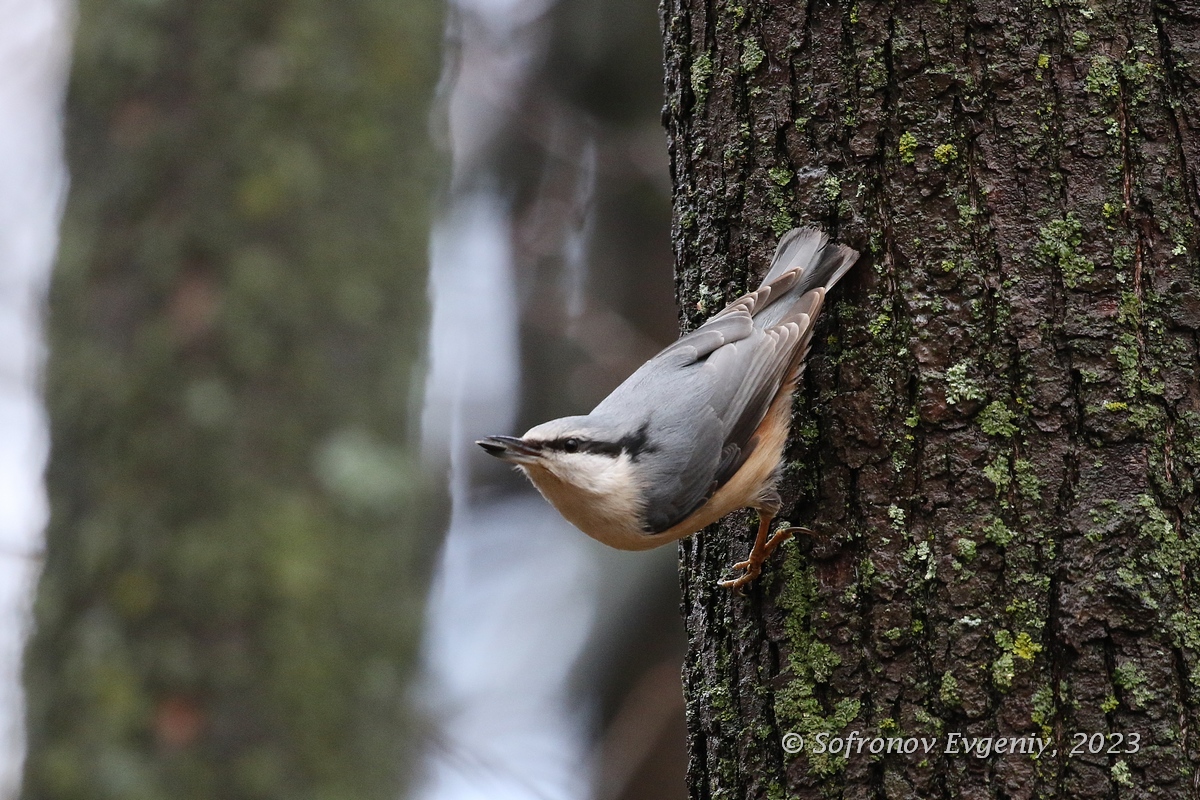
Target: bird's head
{"points": [[578, 450]]}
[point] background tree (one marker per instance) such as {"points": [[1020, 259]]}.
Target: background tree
{"points": [[999, 433], [235, 558], [558, 159]]}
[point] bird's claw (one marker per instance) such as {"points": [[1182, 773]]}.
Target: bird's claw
{"points": [[751, 568], [750, 571]]}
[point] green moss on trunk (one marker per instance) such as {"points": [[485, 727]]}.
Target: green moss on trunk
{"points": [[1001, 415]]}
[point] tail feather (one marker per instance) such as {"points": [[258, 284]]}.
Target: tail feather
{"points": [[836, 261], [797, 248], [806, 266], [809, 249]]}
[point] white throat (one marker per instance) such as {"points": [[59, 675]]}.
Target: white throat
{"points": [[596, 493]]}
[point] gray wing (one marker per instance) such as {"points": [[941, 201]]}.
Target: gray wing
{"points": [[705, 397], [707, 393]]}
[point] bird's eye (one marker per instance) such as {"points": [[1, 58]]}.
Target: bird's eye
{"points": [[571, 445]]}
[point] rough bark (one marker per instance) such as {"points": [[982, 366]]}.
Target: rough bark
{"points": [[235, 560], [999, 432]]}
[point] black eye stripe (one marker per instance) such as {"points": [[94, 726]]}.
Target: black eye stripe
{"points": [[634, 444], [575, 444], [600, 448]]}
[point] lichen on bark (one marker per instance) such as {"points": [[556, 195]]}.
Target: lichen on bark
{"points": [[998, 428]]}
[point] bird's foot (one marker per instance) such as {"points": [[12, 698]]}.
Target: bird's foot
{"points": [[750, 571], [751, 568], [781, 535]]}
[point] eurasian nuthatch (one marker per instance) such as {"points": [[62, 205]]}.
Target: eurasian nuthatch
{"points": [[699, 430]]}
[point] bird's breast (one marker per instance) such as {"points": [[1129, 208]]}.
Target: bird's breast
{"points": [[606, 505]]}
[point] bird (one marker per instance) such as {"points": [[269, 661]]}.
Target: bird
{"points": [[699, 430]]}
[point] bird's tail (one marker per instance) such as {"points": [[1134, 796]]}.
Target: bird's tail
{"points": [[805, 268], [823, 262]]}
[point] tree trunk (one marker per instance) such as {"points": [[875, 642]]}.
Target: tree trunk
{"points": [[998, 435], [235, 562]]}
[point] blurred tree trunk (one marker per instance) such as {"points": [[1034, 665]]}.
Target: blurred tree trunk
{"points": [[235, 559], [999, 432]]}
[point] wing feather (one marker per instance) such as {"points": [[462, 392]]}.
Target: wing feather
{"points": [[710, 391]]}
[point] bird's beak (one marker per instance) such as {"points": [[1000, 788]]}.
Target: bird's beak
{"points": [[510, 448]]}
